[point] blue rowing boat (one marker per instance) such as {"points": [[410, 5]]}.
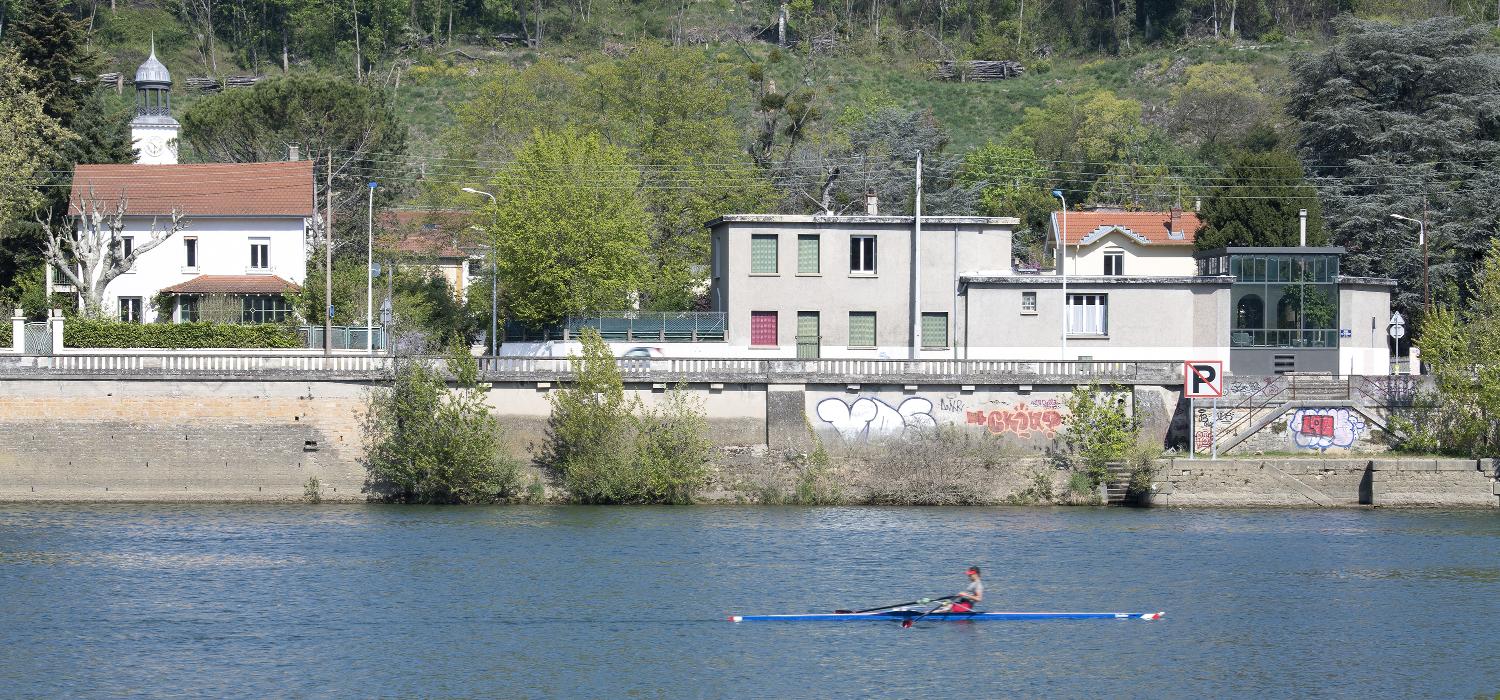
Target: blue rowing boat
{"points": [[908, 614]]}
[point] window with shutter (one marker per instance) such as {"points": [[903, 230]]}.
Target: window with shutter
{"points": [[763, 328], [763, 254], [809, 250], [861, 329]]}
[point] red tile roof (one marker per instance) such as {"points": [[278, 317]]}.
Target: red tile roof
{"points": [[217, 189], [1151, 225], [233, 284], [442, 233]]}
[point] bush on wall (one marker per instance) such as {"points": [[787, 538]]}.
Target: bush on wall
{"points": [[93, 333]]}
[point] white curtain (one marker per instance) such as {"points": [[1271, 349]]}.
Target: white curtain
{"points": [[1087, 314]]}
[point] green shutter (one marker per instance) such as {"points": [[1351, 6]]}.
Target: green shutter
{"points": [[808, 252], [861, 329], [763, 254], [934, 330]]}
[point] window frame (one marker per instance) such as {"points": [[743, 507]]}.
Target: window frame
{"points": [[1114, 259], [864, 263], [947, 330], [775, 328], [264, 308], [190, 252], [189, 308], [874, 330], [262, 246], [1028, 309], [817, 242], [1103, 304], [131, 309], [775, 240]]}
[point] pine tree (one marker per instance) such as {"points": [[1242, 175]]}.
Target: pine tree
{"points": [[1256, 203]]}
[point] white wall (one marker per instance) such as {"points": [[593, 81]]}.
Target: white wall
{"points": [[1148, 260], [223, 249]]}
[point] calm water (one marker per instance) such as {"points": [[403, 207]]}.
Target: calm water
{"points": [[352, 601]]}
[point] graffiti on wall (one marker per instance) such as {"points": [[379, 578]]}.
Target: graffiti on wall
{"points": [[1022, 420], [874, 420], [1205, 422], [1324, 428]]}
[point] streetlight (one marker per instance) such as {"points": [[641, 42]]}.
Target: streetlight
{"points": [[494, 282], [1062, 268], [1421, 240]]}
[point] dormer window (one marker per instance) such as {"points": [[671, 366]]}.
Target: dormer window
{"points": [[1114, 263]]}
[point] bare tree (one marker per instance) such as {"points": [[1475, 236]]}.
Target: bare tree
{"points": [[89, 248]]}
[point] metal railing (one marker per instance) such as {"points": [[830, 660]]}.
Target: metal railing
{"points": [[631, 326]]}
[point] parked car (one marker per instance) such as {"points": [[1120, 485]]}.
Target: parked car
{"points": [[643, 358]]}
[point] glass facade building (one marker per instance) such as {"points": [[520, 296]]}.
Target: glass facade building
{"points": [[1281, 297]]}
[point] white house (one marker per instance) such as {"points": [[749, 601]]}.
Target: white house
{"points": [[246, 241]]}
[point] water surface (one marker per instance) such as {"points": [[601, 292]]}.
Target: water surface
{"points": [[384, 601]]}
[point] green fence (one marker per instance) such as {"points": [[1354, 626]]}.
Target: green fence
{"points": [[668, 327]]}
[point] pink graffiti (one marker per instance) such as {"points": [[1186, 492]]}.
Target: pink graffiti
{"points": [[1021, 420]]}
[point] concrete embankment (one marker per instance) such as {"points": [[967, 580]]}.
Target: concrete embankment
{"points": [[264, 438], [1328, 482]]}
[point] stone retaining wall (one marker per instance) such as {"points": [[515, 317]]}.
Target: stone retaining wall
{"points": [[1328, 482]]}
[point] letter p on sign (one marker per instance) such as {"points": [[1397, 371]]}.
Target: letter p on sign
{"points": [[1203, 379]]}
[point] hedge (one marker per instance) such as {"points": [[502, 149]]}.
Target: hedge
{"points": [[81, 333], [5, 335]]}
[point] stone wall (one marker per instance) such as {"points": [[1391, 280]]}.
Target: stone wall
{"points": [[1328, 482]]}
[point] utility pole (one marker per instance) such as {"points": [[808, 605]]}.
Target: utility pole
{"points": [[1062, 268], [370, 275], [328, 260], [1426, 292], [916, 266]]}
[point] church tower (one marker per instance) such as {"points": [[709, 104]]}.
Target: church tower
{"points": [[153, 131]]}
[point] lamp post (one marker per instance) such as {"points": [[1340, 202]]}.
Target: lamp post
{"points": [[494, 281], [1422, 240], [370, 274], [1062, 268]]}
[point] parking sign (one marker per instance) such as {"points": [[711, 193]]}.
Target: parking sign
{"points": [[1203, 379]]}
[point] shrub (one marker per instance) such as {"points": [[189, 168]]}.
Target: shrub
{"points": [[938, 467], [97, 333], [672, 448], [1099, 430], [608, 449], [432, 444], [815, 484], [6, 335], [1038, 491]]}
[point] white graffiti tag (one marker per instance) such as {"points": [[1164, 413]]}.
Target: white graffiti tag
{"points": [[875, 420], [1322, 428]]}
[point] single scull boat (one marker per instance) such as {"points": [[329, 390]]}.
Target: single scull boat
{"points": [[901, 615]]}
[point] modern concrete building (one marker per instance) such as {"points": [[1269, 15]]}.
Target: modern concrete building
{"points": [[850, 286], [1128, 286]]}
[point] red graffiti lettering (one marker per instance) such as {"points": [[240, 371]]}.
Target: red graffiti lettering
{"points": [[1322, 426], [1021, 421]]}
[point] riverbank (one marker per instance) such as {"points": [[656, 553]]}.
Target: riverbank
{"points": [[751, 476]]}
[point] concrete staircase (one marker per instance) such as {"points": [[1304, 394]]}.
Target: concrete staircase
{"points": [[1117, 486]]}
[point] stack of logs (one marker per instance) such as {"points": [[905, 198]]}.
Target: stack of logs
{"points": [[203, 84], [978, 71]]}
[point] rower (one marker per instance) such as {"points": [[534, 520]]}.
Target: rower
{"points": [[969, 597]]}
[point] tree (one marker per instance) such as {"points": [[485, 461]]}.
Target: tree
{"points": [[88, 249], [1099, 430], [572, 230], [588, 432], [358, 123], [27, 138], [1078, 133], [1255, 202], [1462, 350], [430, 443], [1218, 102], [1395, 119], [60, 69], [1011, 182]]}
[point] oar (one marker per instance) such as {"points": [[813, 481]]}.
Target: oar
{"points": [[888, 607], [908, 622]]}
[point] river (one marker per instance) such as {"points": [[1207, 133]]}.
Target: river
{"points": [[385, 601]]}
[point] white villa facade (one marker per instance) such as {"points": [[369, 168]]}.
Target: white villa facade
{"points": [[245, 244]]}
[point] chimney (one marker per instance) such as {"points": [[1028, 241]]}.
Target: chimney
{"points": [[293, 152], [1197, 205], [1176, 227], [872, 203], [1302, 228]]}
